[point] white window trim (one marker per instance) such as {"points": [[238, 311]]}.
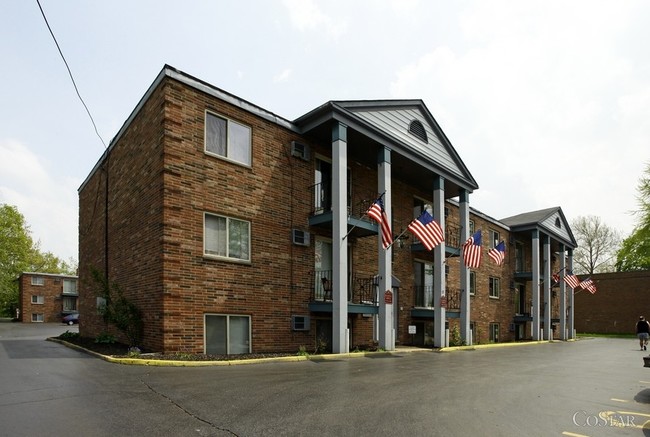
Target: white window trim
{"points": [[228, 121], [40, 299], [498, 282], [227, 258], [38, 316], [38, 281]]}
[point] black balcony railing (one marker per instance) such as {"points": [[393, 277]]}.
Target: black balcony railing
{"points": [[362, 289], [424, 297]]}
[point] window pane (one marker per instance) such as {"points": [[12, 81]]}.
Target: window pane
{"points": [[215, 235], [240, 143], [69, 303], [238, 239], [69, 286], [215, 335], [215, 134], [239, 335]]}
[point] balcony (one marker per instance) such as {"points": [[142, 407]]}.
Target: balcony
{"points": [[423, 302], [362, 292]]}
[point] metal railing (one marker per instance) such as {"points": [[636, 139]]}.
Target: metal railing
{"points": [[424, 297], [362, 289]]}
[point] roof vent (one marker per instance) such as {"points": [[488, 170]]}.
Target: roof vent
{"points": [[417, 129]]}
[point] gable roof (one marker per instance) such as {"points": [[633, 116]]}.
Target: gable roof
{"points": [[550, 220], [387, 122]]}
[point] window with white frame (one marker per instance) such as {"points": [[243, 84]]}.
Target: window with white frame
{"points": [[495, 285], [226, 237], [472, 283], [38, 300], [69, 286], [69, 303], [38, 317], [495, 238], [227, 334], [471, 228], [38, 280], [494, 332], [227, 138]]}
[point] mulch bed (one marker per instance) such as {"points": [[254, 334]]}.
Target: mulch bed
{"points": [[120, 350]]}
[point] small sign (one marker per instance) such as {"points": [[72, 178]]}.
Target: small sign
{"points": [[411, 329], [388, 297]]}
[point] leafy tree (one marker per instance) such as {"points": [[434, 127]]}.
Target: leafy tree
{"points": [[635, 250], [19, 253], [597, 245]]}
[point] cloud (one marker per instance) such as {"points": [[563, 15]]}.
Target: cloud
{"points": [[283, 76], [46, 198], [307, 16]]}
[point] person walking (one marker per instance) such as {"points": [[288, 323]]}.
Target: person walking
{"points": [[643, 332]]}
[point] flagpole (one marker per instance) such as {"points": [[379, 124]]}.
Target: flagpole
{"points": [[397, 238], [362, 216]]}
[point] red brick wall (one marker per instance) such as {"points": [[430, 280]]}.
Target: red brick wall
{"points": [[615, 308]]}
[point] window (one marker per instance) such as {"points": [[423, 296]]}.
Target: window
{"points": [[37, 317], [558, 224], [69, 286], [226, 237], [225, 334], [423, 284], [494, 287], [495, 238], [494, 332], [38, 300], [227, 138], [69, 303], [471, 228], [472, 283], [38, 280], [519, 256]]}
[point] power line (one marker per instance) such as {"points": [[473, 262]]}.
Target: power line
{"points": [[70, 73]]}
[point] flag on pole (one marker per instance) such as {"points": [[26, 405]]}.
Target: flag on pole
{"points": [[378, 214], [427, 230], [588, 284], [498, 253], [572, 280], [472, 251], [555, 277]]}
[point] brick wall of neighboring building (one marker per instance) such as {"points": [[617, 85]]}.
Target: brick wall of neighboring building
{"points": [[41, 297], [617, 304]]}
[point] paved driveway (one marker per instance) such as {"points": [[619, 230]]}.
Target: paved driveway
{"points": [[595, 387]]}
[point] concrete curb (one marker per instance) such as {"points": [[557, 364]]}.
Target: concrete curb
{"points": [[143, 361]]}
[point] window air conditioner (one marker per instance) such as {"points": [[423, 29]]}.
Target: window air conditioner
{"points": [[300, 150], [300, 238], [300, 323]]}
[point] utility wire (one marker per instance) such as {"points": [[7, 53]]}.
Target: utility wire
{"points": [[70, 73]]}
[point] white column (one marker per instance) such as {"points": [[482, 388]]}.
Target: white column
{"points": [[547, 288], [386, 338], [465, 311], [571, 299], [339, 245], [439, 313], [563, 315], [535, 291]]}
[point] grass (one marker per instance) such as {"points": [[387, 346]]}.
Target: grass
{"points": [[608, 335]]}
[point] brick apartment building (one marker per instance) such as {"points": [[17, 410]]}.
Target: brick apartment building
{"points": [[235, 230], [615, 308], [46, 297]]}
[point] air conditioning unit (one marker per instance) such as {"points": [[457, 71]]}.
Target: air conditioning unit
{"points": [[300, 238], [300, 323], [300, 150]]}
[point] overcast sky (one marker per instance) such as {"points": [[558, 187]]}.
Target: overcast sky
{"points": [[547, 102]]}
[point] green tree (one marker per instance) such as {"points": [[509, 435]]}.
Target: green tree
{"points": [[19, 253], [597, 245], [635, 250]]}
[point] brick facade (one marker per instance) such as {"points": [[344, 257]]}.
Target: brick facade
{"points": [[157, 183], [46, 297], [617, 304]]}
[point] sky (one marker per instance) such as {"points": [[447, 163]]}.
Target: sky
{"points": [[546, 102]]}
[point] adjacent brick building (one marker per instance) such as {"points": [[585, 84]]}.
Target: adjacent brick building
{"points": [[235, 230], [615, 308], [46, 297]]}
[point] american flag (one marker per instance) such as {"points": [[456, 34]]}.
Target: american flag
{"points": [[498, 253], [588, 284], [472, 251], [572, 280], [555, 277], [378, 214], [427, 230]]}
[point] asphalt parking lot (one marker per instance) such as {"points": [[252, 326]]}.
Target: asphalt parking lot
{"points": [[590, 387]]}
